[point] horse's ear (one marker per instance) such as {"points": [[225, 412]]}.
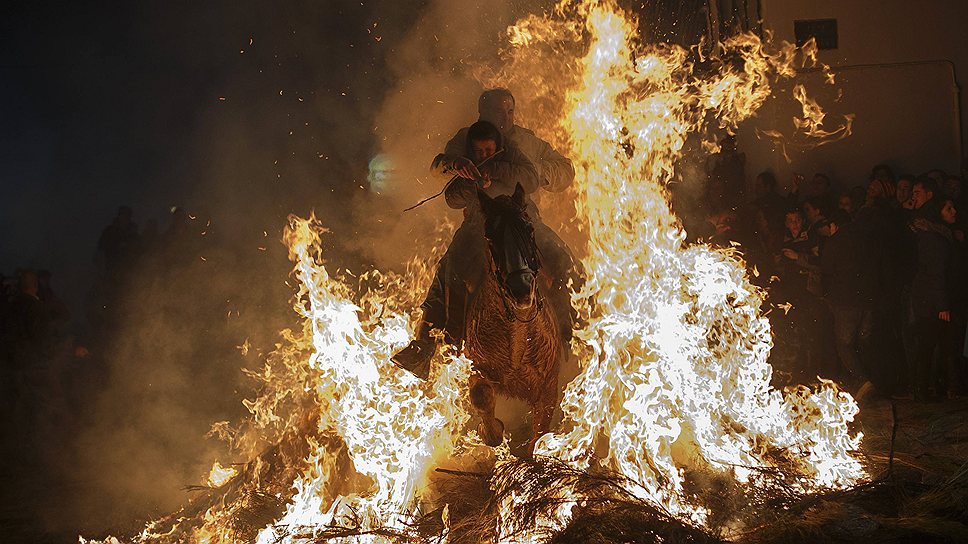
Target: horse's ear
{"points": [[485, 200], [518, 196]]}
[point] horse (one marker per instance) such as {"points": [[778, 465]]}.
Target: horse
{"points": [[512, 332]]}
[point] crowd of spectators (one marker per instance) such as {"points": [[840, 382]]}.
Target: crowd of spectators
{"points": [[866, 285], [54, 363]]}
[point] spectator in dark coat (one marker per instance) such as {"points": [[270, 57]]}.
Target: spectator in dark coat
{"points": [[850, 283], [119, 244], [768, 201], [879, 220], [952, 343], [929, 308], [924, 190], [799, 271], [904, 188]]}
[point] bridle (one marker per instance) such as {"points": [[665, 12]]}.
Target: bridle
{"points": [[512, 317], [523, 239]]}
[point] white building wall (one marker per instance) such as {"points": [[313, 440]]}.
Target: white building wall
{"points": [[896, 63]]}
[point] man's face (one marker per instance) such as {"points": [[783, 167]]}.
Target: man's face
{"points": [[920, 195], [952, 187], [875, 190], [761, 188], [846, 203], [483, 149], [793, 223], [903, 191], [811, 212], [948, 213], [821, 185], [499, 112]]}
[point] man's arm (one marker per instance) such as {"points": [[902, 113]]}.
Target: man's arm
{"points": [[556, 171], [455, 149], [511, 168]]}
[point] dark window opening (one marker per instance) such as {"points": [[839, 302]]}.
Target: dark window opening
{"points": [[824, 30]]}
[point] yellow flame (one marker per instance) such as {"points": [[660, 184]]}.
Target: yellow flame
{"points": [[394, 426], [677, 345], [811, 122], [674, 350], [219, 474]]}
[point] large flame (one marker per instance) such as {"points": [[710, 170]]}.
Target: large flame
{"points": [[677, 345], [673, 348], [393, 425]]}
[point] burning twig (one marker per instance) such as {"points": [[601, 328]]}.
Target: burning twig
{"points": [[478, 475]]}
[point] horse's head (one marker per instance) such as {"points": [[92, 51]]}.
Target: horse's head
{"points": [[510, 241]]}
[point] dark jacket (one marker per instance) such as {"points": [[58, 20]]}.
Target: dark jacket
{"points": [[797, 278], [850, 276], [930, 289]]}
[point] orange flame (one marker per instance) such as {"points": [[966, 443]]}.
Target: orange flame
{"points": [[677, 346], [674, 352]]}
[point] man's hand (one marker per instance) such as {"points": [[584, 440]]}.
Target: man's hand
{"points": [[790, 254], [485, 180], [462, 166], [944, 315], [465, 168]]}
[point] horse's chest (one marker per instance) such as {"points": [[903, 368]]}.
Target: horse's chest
{"points": [[514, 354]]}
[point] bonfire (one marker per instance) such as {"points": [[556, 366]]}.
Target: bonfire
{"points": [[671, 430]]}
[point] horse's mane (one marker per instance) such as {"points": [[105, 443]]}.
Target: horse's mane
{"points": [[516, 217]]}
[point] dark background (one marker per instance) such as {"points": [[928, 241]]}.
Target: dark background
{"points": [[111, 104], [237, 112], [240, 113]]}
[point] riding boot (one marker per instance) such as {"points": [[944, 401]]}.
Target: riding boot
{"points": [[416, 356]]}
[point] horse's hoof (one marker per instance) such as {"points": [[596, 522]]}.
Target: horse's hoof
{"points": [[416, 357], [492, 434]]}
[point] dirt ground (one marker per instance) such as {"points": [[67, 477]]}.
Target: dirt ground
{"points": [[931, 440], [930, 444]]}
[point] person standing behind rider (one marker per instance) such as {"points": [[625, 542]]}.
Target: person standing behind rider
{"points": [[555, 174]]}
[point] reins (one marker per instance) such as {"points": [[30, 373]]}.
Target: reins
{"points": [[452, 180], [533, 260]]}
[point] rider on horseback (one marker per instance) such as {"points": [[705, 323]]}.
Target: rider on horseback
{"points": [[494, 164]]}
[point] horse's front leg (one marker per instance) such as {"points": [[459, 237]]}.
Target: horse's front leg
{"points": [[483, 399], [543, 409]]}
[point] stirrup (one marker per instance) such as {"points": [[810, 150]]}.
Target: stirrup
{"points": [[416, 357]]}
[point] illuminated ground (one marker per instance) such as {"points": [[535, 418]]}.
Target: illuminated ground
{"points": [[931, 445]]}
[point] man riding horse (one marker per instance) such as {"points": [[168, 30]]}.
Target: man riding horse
{"points": [[494, 161]]}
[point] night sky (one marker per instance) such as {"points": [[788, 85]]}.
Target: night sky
{"points": [[239, 112], [242, 111]]}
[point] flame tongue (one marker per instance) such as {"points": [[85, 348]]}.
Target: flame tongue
{"points": [[674, 372], [392, 425], [677, 346]]}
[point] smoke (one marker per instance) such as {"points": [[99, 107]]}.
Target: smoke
{"points": [[238, 115], [434, 72]]}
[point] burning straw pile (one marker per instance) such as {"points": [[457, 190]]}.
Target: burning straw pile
{"points": [[671, 431]]}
